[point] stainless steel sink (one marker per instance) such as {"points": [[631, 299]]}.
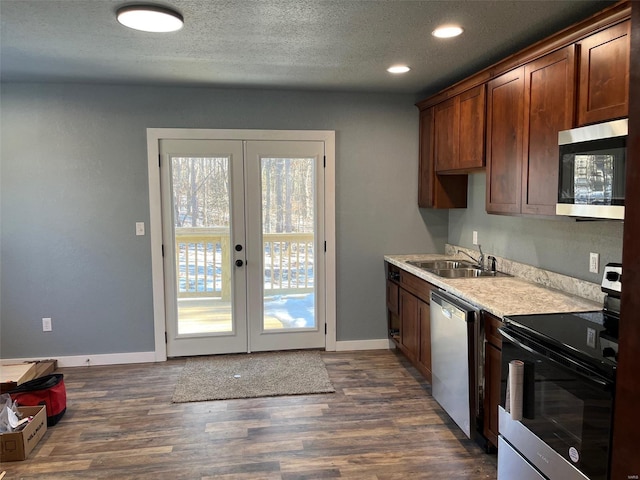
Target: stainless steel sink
{"points": [[455, 269], [465, 273], [442, 264]]}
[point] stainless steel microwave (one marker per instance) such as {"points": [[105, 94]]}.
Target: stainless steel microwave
{"points": [[591, 178]]}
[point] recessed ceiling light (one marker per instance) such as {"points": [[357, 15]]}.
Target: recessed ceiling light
{"points": [[150, 18], [398, 69], [447, 31]]}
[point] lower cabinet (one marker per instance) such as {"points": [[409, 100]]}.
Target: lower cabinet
{"points": [[409, 322], [393, 311], [424, 356], [492, 376]]}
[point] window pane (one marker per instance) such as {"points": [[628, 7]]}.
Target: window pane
{"points": [[201, 210], [288, 234]]}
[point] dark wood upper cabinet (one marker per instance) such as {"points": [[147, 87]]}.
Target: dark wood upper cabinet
{"points": [[505, 119], [436, 191], [604, 75], [577, 76], [446, 134], [527, 107], [426, 173], [472, 131], [549, 105], [459, 132]]}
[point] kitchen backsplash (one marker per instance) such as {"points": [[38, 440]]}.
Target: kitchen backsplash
{"points": [[573, 286]]}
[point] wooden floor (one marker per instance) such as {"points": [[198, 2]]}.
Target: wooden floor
{"points": [[380, 424]]}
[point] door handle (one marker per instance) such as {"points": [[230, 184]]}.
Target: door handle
{"points": [[239, 263]]}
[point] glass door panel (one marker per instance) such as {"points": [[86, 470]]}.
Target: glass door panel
{"points": [[288, 233], [283, 211], [204, 220]]}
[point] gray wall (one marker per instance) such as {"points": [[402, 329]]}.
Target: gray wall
{"points": [[558, 245], [74, 182]]}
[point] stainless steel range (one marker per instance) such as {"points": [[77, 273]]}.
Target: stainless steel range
{"points": [[567, 391]]}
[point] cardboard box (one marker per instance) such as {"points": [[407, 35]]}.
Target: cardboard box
{"points": [[18, 445]]}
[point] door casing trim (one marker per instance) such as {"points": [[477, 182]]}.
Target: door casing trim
{"points": [[154, 135]]}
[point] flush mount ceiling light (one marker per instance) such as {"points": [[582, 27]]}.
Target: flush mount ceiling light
{"points": [[150, 18], [398, 69], [447, 31]]}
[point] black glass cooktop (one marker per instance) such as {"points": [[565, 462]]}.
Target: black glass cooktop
{"points": [[587, 334]]}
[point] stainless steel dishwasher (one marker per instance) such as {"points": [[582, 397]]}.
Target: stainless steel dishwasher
{"points": [[454, 358]]}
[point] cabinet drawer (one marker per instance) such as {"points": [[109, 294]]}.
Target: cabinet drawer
{"points": [[419, 287], [491, 325]]}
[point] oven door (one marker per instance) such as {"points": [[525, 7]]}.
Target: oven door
{"points": [[565, 403]]}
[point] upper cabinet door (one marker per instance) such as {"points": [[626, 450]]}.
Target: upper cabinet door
{"points": [[426, 174], [447, 132], [459, 132], [549, 108], [505, 118], [471, 131], [604, 75], [436, 191]]}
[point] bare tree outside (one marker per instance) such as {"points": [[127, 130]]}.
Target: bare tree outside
{"points": [[287, 193], [202, 221], [201, 191]]}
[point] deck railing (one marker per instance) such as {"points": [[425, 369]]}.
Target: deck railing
{"points": [[203, 262]]}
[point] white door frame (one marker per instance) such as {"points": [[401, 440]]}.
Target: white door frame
{"points": [[155, 215]]}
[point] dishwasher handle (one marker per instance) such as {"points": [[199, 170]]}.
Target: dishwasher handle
{"points": [[449, 304]]}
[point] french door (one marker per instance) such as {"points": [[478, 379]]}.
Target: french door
{"points": [[243, 240]]}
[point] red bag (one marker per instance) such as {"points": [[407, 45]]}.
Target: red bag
{"points": [[48, 390]]}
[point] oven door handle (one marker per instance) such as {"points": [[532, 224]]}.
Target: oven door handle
{"points": [[529, 349], [516, 341]]}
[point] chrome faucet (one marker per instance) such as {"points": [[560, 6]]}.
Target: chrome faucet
{"points": [[479, 260]]}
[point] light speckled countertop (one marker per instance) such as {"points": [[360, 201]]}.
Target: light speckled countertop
{"points": [[501, 296]]}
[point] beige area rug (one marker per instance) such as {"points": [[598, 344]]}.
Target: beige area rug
{"points": [[252, 375]]}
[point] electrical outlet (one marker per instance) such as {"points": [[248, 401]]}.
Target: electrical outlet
{"points": [[475, 237], [46, 325], [594, 262], [139, 228]]}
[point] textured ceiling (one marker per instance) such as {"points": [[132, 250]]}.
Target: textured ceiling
{"points": [[341, 45]]}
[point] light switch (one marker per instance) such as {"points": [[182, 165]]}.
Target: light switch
{"points": [[139, 228]]}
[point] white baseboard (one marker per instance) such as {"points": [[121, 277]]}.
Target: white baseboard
{"points": [[91, 360], [150, 357], [379, 344]]}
